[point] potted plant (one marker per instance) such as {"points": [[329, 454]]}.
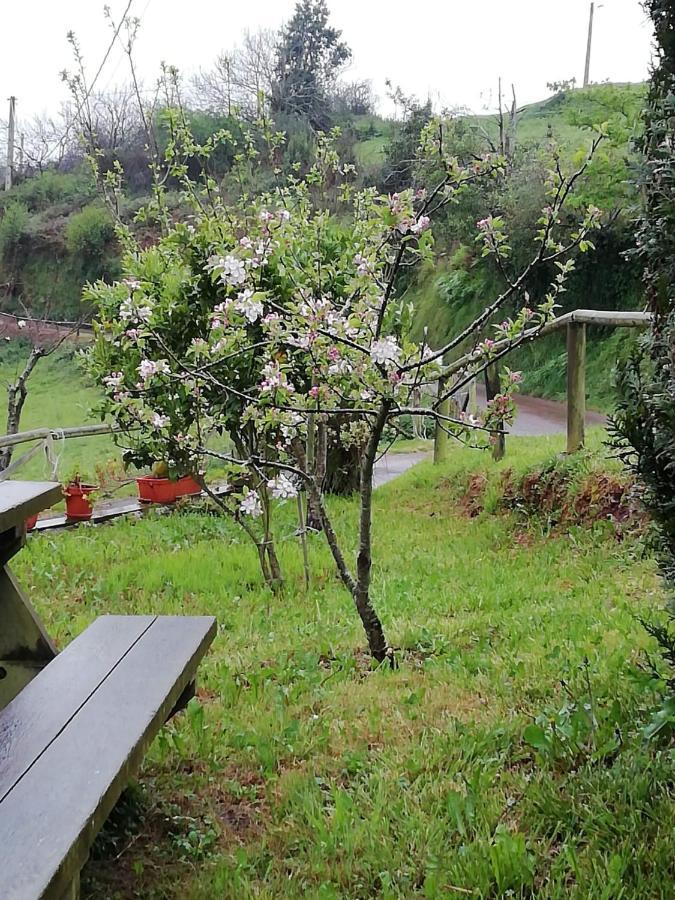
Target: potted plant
{"points": [[159, 488], [79, 498]]}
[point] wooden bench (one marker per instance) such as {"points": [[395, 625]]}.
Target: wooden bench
{"points": [[72, 737]]}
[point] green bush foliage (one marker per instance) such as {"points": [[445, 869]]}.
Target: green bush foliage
{"points": [[13, 227], [90, 231]]}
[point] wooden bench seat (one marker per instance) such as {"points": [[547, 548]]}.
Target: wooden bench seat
{"points": [[70, 740]]}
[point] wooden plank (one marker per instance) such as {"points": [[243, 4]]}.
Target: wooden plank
{"points": [[21, 499], [50, 818], [576, 387], [44, 707], [620, 318]]}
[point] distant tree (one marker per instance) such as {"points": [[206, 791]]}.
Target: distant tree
{"points": [[354, 98], [562, 86], [309, 58], [401, 153], [240, 78]]}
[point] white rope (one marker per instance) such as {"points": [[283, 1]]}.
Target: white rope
{"points": [[54, 458]]}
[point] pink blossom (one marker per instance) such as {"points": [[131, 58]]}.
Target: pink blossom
{"points": [[149, 367], [362, 264], [420, 225], [251, 505]]}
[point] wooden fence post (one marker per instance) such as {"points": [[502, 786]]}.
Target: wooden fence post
{"points": [[576, 386]]}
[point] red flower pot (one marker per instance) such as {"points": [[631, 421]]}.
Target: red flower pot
{"points": [[31, 522], [163, 490], [187, 487], [78, 504], [156, 490]]}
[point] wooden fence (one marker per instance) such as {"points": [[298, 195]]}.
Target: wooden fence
{"points": [[575, 324]]}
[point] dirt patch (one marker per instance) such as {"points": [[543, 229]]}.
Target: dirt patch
{"points": [[471, 501], [565, 502], [150, 842]]}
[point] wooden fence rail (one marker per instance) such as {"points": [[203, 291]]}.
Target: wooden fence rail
{"points": [[575, 323]]}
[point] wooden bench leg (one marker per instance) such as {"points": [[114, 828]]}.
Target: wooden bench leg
{"points": [[188, 693]]}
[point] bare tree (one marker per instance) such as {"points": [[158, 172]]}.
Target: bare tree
{"points": [[240, 78], [355, 97]]}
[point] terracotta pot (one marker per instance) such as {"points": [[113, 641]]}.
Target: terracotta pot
{"points": [[156, 490], [163, 490], [31, 522], [78, 504], [187, 487]]}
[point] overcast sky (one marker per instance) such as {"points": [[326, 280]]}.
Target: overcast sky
{"points": [[452, 50]]}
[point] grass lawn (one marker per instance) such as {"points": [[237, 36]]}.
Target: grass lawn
{"points": [[59, 395], [302, 772]]}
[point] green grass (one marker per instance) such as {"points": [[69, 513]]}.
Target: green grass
{"points": [[59, 395], [302, 772]]}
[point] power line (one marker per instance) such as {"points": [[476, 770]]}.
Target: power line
{"points": [[93, 83]]}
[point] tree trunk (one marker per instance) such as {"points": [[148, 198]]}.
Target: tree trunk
{"points": [[319, 462], [16, 398], [372, 625], [343, 464]]}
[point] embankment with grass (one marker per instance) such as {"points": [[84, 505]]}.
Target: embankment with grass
{"points": [[503, 757]]}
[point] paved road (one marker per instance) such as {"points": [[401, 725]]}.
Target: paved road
{"points": [[537, 416]]}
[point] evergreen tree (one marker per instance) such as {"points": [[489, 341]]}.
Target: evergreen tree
{"points": [[644, 423], [310, 55]]}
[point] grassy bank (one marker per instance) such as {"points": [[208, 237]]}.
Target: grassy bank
{"points": [[304, 773]]}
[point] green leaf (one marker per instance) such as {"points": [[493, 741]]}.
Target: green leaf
{"points": [[536, 737]]}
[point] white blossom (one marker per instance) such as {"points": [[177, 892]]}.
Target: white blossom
{"points": [[21, 323], [385, 352], [282, 488], [114, 380], [251, 505], [233, 270], [159, 421], [249, 307]]}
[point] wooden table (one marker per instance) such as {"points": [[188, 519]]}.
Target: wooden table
{"points": [[25, 646]]}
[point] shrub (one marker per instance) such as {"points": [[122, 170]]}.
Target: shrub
{"points": [[48, 188], [88, 232], [13, 227]]}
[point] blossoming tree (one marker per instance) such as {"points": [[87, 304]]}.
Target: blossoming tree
{"points": [[265, 320]]}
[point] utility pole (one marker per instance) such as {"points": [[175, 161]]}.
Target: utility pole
{"points": [[587, 69], [9, 171]]}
